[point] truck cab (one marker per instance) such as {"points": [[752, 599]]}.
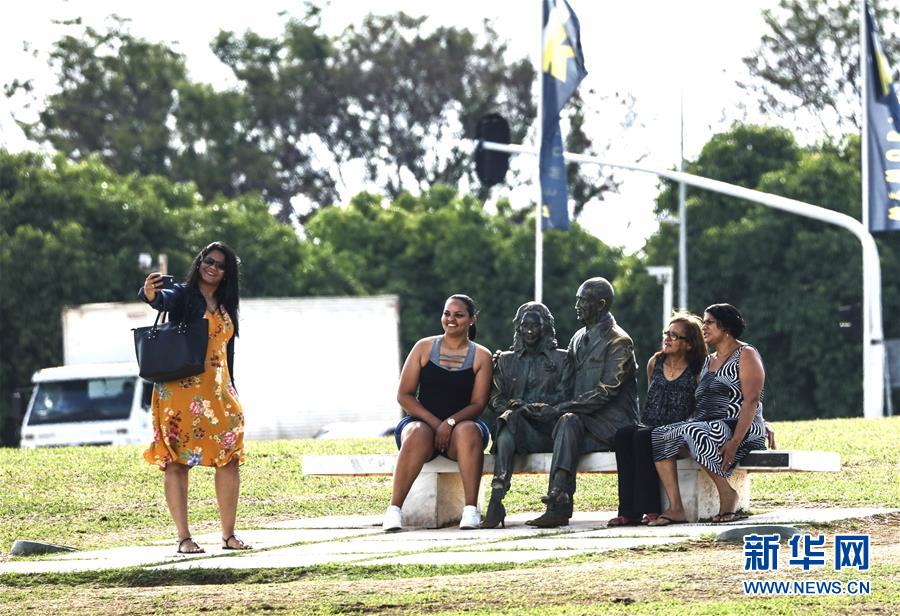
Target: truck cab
{"points": [[88, 404]]}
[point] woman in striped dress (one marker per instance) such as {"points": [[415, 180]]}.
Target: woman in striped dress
{"points": [[728, 422]]}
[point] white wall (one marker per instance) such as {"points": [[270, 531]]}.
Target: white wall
{"points": [[300, 363]]}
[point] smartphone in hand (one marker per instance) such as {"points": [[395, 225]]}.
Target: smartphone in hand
{"points": [[168, 281]]}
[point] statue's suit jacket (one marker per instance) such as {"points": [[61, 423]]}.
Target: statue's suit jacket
{"points": [[600, 379]]}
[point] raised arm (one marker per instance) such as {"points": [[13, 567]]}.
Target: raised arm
{"points": [[165, 300]]}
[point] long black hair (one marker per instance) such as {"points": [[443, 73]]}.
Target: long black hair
{"points": [[227, 293], [471, 308]]}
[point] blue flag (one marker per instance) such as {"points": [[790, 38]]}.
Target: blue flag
{"points": [[883, 124], [563, 67]]}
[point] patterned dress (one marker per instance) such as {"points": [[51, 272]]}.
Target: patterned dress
{"points": [[718, 398], [198, 420], [668, 401]]}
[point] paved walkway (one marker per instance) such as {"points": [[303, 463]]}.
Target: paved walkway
{"points": [[358, 540]]}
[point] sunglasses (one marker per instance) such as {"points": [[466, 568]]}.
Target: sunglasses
{"points": [[220, 265], [673, 336]]}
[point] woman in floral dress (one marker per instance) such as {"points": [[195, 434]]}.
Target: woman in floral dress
{"points": [[198, 420]]}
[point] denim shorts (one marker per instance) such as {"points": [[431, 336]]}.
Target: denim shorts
{"points": [[485, 431]]}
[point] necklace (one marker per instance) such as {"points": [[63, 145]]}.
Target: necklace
{"points": [[722, 354], [672, 371]]}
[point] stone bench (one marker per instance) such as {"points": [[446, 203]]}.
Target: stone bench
{"points": [[436, 498]]}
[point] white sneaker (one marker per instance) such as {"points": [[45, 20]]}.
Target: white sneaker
{"points": [[470, 518], [391, 519]]}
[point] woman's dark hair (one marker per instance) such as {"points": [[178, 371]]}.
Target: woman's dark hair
{"points": [[471, 308], [227, 293], [696, 355], [729, 318]]}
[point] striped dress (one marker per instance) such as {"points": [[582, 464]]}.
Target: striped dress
{"points": [[719, 398]]}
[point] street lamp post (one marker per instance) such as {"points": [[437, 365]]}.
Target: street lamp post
{"points": [[664, 275]]}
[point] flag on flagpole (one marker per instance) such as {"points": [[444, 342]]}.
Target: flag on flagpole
{"points": [[563, 67], [883, 120]]}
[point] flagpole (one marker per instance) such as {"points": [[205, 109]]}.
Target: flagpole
{"points": [[538, 209], [874, 388], [868, 364], [682, 225], [864, 123]]}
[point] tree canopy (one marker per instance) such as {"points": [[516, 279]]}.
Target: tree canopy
{"points": [[808, 60], [70, 233], [788, 275]]}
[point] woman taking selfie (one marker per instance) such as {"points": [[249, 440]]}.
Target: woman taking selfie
{"points": [[198, 420]]}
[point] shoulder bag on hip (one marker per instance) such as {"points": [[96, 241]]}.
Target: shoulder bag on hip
{"points": [[171, 351]]}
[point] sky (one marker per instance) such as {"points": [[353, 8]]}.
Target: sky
{"points": [[657, 51]]}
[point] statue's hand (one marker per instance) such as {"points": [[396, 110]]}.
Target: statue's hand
{"points": [[539, 410], [495, 359]]}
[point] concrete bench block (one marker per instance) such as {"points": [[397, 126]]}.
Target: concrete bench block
{"points": [[436, 498]]}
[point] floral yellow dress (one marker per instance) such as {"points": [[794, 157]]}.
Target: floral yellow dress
{"points": [[198, 420]]}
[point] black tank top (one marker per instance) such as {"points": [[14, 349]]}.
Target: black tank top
{"points": [[444, 392]]}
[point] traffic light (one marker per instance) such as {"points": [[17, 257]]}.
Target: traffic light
{"points": [[491, 166], [850, 321]]}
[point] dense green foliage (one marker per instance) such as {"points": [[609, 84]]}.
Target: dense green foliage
{"points": [[424, 249], [788, 274], [71, 234], [153, 162]]}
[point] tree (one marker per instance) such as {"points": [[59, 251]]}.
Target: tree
{"points": [[387, 95], [787, 274], [70, 233], [808, 61], [425, 248], [116, 95], [410, 96]]}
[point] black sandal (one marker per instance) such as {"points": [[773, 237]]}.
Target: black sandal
{"points": [[241, 544], [197, 550]]}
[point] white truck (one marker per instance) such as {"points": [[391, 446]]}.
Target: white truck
{"points": [[304, 367]]}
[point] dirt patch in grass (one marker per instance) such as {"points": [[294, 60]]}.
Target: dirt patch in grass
{"points": [[701, 577]]}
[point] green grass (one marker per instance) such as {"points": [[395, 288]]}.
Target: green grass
{"points": [[93, 497]]}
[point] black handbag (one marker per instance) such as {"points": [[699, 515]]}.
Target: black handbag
{"points": [[171, 351]]}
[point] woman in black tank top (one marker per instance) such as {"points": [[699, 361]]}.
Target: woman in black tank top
{"points": [[444, 387]]}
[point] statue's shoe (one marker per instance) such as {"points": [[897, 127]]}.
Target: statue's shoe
{"points": [[496, 514], [550, 519]]}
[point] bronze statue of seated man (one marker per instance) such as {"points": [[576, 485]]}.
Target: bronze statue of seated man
{"points": [[574, 413]]}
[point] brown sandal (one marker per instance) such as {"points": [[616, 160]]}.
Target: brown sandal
{"points": [[240, 546], [196, 549]]}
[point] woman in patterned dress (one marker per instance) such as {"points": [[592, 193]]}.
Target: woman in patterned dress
{"points": [[198, 420], [728, 422]]}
